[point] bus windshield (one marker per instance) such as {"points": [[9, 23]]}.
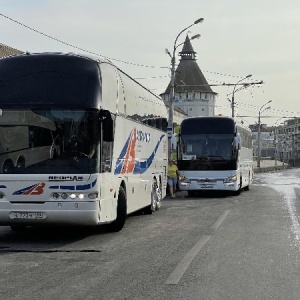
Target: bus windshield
{"points": [[215, 146], [49, 141]]}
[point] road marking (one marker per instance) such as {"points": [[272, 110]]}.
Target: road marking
{"points": [[182, 266], [220, 220]]}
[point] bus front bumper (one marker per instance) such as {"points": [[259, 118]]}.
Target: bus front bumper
{"points": [[207, 186], [50, 213]]}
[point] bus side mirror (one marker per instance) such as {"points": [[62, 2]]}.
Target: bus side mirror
{"points": [[108, 130]]}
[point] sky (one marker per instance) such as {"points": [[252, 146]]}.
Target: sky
{"points": [[238, 38]]}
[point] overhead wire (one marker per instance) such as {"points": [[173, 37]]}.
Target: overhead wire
{"points": [[139, 65], [76, 47], [98, 54]]}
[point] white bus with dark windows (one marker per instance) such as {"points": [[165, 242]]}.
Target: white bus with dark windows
{"points": [[213, 154], [91, 142]]}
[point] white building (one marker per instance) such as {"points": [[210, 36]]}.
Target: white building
{"points": [[287, 141]]}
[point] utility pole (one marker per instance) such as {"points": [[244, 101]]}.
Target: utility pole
{"points": [[172, 91], [233, 92], [261, 110]]}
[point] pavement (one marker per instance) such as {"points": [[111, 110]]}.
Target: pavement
{"points": [[269, 165]]}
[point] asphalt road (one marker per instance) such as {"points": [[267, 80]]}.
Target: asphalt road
{"points": [[213, 246]]}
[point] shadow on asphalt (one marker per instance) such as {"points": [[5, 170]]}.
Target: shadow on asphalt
{"points": [[51, 235], [202, 195]]}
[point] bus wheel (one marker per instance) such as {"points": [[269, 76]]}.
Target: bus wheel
{"points": [[155, 199], [21, 164], [8, 167], [239, 188], [246, 188], [158, 193], [118, 224], [18, 228]]}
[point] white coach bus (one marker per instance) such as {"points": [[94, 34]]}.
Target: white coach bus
{"points": [[109, 137], [214, 153]]}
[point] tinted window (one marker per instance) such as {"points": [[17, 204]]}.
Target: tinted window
{"points": [[36, 81], [208, 125]]}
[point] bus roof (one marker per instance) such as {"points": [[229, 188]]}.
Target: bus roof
{"points": [[67, 80]]}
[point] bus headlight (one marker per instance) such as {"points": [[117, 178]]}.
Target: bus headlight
{"points": [[73, 196], [230, 179], [183, 179]]}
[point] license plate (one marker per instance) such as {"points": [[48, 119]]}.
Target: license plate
{"points": [[27, 215], [206, 186]]}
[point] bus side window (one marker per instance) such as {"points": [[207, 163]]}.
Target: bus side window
{"points": [[158, 123], [164, 124]]}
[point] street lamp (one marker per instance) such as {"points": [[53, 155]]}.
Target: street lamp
{"points": [[172, 91], [234, 90], [276, 139], [261, 110]]}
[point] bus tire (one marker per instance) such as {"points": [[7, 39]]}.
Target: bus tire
{"points": [[236, 193], [8, 167], [21, 163], [118, 224], [155, 199], [246, 188], [159, 197]]}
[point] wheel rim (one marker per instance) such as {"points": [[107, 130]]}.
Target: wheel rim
{"points": [[158, 200], [153, 198]]}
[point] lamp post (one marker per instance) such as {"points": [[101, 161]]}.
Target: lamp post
{"points": [[261, 110], [172, 92], [234, 90], [276, 140]]}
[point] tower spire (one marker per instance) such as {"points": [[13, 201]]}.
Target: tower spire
{"points": [[187, 50]]}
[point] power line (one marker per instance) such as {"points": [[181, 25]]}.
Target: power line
{"points": [[221, 74], [76, 47], [271, 109], [97, 54], [154, 77]]}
